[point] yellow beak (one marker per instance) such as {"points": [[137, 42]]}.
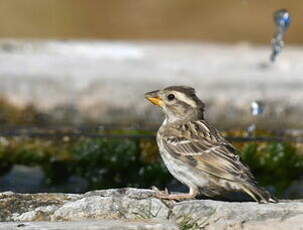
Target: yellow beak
{"points": [[155, 101]]}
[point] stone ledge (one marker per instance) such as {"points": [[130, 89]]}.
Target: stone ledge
{"points": [[91, 225], [138, 209], [105, 81]]}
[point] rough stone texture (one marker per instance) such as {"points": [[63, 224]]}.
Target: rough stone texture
{"points": [[138, 209], [223, 215], [105, 81], [92, 225]]}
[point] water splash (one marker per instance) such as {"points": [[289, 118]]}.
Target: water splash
{"points": [[256, 109], [282, 20]]}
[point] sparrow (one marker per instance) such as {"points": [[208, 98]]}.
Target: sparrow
{"points": [[196, 153]]}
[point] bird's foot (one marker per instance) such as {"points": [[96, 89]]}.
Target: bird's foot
{"points": [[165, 195], [162, 194], [154, 188], [182, 196]]}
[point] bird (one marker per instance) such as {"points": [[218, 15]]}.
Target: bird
{"points": [[196, 153]]}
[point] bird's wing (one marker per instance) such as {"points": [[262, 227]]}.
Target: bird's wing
{"points": [[202, 146]]}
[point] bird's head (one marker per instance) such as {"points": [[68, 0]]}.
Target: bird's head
{"points": [[178, 103]]}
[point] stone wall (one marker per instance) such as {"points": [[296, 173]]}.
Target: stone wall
{"points": [[129, 208]]}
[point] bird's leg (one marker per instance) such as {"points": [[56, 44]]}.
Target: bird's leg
{"points": [[193, 192]]}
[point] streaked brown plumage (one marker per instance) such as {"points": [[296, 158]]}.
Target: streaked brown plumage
{"points": [[196, 153]]}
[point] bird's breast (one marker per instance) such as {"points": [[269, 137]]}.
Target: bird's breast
{"points": [[182, 171]]}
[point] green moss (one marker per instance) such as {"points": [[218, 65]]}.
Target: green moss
{"points": [[188, 223], [110, 163], [116, 163], [273, 164]]}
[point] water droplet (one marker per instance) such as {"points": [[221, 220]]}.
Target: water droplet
{"points": [[257, 108], [282, 19]]}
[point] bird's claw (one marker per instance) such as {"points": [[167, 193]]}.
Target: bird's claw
{"points": [[154, 188], [159, 193]]}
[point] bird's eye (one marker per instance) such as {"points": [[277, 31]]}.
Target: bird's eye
{"points": [[170, 97]]}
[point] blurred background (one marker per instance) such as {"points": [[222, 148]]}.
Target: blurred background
{"points": [[198, 20], [73, 74]]}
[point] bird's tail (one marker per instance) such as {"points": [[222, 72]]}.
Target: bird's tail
{"points": [[259, 194]]}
